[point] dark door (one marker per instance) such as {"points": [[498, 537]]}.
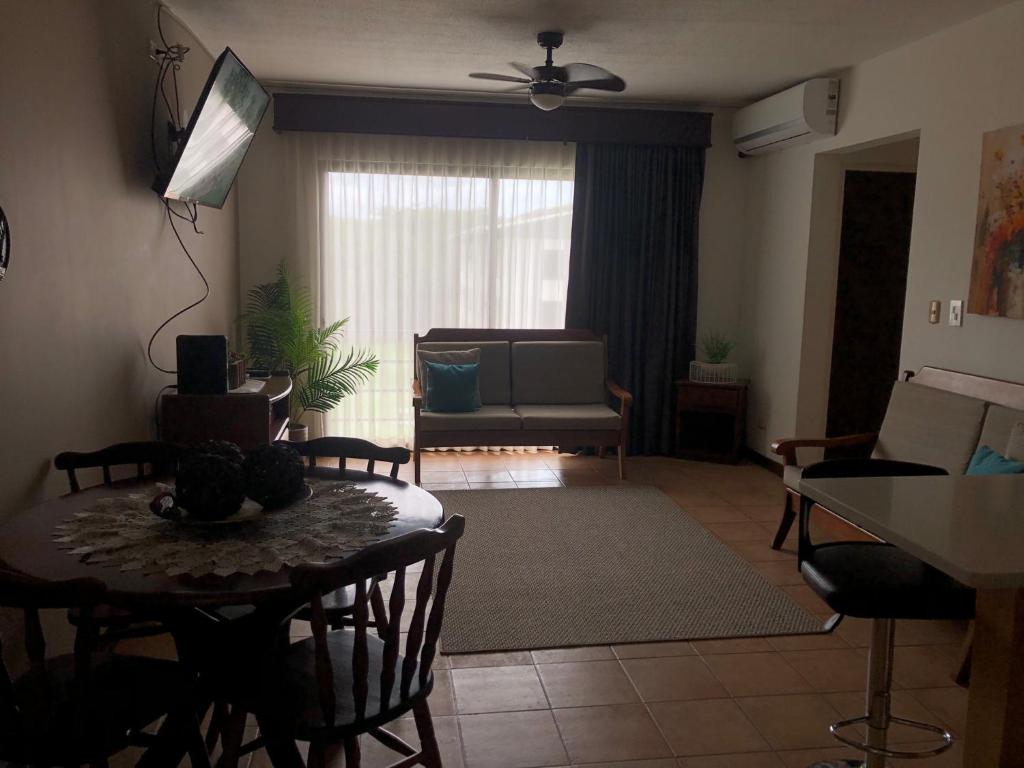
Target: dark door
{"points": [[872, 284]]}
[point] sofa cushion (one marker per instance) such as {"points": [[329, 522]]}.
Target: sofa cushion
{"points": [[1015, 445], [998, 427], [452, 388], [495, 381], [930, 426], [448, 357], [587, 416], [487, 417], [558, 372]]}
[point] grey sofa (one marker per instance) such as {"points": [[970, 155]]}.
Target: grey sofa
{"points": [[938, 417], [537, 387]]}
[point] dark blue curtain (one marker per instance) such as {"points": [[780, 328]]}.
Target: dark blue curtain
{"points": [[633, 272]]}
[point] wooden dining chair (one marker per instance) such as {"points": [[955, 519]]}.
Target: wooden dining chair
{"points": [[161, 458], [84, 707], [340, 604], [152, 460], [343, 448], [339, 684]]}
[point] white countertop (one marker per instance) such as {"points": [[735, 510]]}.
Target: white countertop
{"points": [[970, 527]]}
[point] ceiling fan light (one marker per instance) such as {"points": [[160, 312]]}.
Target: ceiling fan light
{"points": [[547, 101]]}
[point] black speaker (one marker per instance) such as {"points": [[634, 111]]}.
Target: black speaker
{"points": [[202, 365]]}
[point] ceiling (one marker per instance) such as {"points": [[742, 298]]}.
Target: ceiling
{"points": [[707, 52]]}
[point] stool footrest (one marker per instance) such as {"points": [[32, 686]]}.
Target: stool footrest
{"points": [[947, 738]]}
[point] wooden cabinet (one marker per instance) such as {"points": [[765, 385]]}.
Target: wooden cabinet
{"points": [[710, 420], [253, 414]]}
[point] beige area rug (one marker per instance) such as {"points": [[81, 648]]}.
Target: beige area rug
{"points": [[559, 567]]}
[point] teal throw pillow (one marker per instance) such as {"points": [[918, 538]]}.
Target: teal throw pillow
{"points": [[985, 461], [452, 388]]}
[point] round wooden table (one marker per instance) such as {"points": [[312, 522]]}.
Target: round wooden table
{"points": [[27, 545]]}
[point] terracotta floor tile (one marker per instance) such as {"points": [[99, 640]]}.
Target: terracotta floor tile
{"points": [[807, 642], [737, 531], [584, 653], [538, 484], [499, 659], [488, 476], [532, 475], [807, 598], [586, 683], [948, 704], [744, 760], [442, 476], [831, 670], [446, 730], [924, 666], [852, 704], [512, 740], [791, 722], [802, 758], [673, 678], [735, 645], [725, 514], [483, 486], [715, 726], [497, 689], [761, 551], [766, 513], [610, 733], [780, 572], [445, 486], [650, 650], [930, 632], [441, 700], [756, 674]]}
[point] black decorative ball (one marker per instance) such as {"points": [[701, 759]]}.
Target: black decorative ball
{"points": [[209, 487], [220, 448], [273, 474]]}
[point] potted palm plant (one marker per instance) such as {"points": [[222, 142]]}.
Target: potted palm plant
{"points": [[281, 335]]}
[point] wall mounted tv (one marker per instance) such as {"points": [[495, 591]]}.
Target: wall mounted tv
{"points": [[212, 147]]}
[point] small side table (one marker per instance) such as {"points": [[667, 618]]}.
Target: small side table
{"points": [[711, 420]]}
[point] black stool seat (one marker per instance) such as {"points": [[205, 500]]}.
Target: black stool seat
{"points": [[878, 581]]}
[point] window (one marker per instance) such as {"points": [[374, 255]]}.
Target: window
{"points": [[452, 234]]}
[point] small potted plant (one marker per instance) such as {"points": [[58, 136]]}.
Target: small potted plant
{"points": [[281, 335], [714, 369]]}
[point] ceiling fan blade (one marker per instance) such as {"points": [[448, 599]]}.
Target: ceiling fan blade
{"points": [[503, 78], [612, 83], [530, 72], [580, 71]]}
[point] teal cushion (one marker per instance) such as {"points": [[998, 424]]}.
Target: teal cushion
{"points": [[452, 388], [987, 462]]}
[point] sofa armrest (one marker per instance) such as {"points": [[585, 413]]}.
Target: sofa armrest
{"points": [[417, 394], [787, 447], [624, 397]]}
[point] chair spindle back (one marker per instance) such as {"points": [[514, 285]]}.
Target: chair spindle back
{"points": [[389, 557], [342, 448], [162, 457]]}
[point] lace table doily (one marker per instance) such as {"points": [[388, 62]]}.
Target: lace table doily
{"points": [[121, 531]]}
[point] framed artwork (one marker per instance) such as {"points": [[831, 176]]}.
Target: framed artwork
{"points": [[997, 272]]}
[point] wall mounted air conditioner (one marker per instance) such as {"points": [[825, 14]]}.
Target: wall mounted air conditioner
{"points": [[799, 114]]}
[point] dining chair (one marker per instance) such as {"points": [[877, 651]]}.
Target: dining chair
{"points": [[84, 707], [340, 604], [878, 581], [162, 459], [151, 459], [339, 684]]}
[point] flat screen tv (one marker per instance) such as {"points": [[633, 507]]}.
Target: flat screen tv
{"points": [[218, 135]]}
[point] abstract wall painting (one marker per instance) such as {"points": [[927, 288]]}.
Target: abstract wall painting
{"points": [[997, 273]]}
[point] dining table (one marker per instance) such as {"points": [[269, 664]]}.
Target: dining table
{"points": [[971, 528], [217, 586]]}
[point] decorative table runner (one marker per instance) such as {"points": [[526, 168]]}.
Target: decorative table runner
{"points": [[121, 531]]}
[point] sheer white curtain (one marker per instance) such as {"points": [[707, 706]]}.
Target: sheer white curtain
{"points": [[415, 233]]}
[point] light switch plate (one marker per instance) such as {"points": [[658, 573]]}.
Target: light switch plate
{"points": [[956, 312]]}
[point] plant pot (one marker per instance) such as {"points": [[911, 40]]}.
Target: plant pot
{"points": [[298, 433], [712, 373]]}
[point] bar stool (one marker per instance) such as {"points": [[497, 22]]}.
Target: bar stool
{"points": [[877, 581]]}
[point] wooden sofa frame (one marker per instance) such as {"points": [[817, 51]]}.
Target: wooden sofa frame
{"points": [[997, 391], [600, 439]]}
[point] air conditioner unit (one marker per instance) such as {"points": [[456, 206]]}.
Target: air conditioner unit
{"points": [[799, 114]]}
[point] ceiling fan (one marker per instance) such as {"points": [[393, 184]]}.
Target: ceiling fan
{"points": [[549, 85]]}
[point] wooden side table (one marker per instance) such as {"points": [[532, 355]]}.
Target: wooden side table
{"points": [[711, 420]]}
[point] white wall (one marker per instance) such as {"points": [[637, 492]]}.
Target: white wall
{"points": [[951, 88], [94, 267]]}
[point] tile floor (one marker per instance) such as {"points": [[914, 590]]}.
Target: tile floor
{"points": [[750, 703]]}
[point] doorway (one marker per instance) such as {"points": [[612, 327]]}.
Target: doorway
{"points": [[871, 284]]}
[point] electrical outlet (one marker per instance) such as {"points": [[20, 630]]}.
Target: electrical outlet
{"points": [[956, 312], [934, 308]]}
